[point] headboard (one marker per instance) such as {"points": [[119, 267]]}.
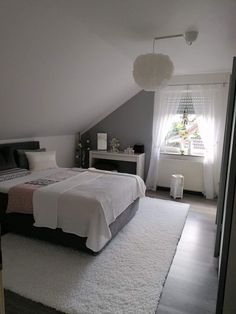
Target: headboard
{"points": [[21, 145]]}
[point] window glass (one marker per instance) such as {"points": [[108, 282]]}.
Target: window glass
{"points": [[183, 136]]}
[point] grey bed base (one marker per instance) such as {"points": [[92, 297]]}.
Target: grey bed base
{"points": [[22, 224]]}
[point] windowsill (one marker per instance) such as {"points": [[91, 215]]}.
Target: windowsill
{"points": [[193, 158]]}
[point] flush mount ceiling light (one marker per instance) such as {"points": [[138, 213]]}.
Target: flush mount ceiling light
{"points": [[153, 70]]}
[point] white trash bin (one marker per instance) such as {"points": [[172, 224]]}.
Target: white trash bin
{"points": [[177, 186]]}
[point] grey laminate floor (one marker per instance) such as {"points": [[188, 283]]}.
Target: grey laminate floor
{"points": [[191, 285]]}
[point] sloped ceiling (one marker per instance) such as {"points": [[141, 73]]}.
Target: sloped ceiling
{"points": [[66, 64]]}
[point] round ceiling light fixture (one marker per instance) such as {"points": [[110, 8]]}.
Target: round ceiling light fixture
{"points": [[152, 71]]}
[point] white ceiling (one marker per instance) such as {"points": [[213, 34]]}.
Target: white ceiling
{"points": [[67, 63], [131, 25]]}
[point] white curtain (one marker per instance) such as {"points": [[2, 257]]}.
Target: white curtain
{"points": [[207, 100], [209, 103], [165, 106], [221, 95]]}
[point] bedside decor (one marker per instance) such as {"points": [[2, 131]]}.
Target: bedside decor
{"points": [[114, 145], [139, 148], [129, 150], [82, 153], [101, 141], [78, 152]]}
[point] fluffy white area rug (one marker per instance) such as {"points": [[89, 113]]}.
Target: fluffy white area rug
{"points": [[127, 277]]}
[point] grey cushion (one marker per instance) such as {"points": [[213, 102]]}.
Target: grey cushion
{"points": [[22, 159]]}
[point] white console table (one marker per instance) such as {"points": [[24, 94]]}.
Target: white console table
{"points": [[139, 159]]}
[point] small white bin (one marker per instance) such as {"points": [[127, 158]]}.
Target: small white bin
{"points": [[177, 185]]}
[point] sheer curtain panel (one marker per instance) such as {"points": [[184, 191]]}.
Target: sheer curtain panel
{"points": [[209, 105], [166, 104], [211, 128]]}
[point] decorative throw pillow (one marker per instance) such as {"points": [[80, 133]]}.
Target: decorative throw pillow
{"points": [[41, 160], [7, 160], [22, 159]]}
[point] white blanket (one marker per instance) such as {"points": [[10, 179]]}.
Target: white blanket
{"points": [[87, 204]]}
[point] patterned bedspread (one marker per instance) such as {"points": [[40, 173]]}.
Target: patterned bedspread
{"points": [[13, 173]]}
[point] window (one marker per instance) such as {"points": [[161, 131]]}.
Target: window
{"points": [[183, 135]]}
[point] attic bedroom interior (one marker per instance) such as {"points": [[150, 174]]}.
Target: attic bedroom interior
{"points": [[117, 157]]}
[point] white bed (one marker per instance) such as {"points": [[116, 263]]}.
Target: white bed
{"points": [[85, 204]]}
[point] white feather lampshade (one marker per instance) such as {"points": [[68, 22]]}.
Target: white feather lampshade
{"points": [[152, 70]]}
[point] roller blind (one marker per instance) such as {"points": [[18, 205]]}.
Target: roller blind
{"points": [[186, 103]]}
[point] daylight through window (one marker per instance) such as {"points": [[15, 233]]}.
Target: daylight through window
{"points": [[183, 136]]}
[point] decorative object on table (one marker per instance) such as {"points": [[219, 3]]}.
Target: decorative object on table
{"points": [[139, 148], [84, 146], [114, 145], [153, 70], [78, 152], [101, 141], [129, 150]]}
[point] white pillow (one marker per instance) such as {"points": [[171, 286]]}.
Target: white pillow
{"points": [[41, 160]]}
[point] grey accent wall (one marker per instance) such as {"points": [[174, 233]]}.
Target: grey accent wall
{"points": [[131, 123]]}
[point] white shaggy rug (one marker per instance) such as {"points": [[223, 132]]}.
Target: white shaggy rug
{"points": [[127, 277]]}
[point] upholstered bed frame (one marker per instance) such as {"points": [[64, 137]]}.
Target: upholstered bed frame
{"points": [[14, 147], [23, 223], [21, 145]]}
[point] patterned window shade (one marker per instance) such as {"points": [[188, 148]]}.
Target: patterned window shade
{"points": [[186, 103]]}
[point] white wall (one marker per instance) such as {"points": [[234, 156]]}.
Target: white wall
{"points": [[64, 145], [57, 76], [190, 167]]}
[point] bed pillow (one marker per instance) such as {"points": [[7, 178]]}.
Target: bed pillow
{"points": [[7, 160], [22, 158], [41, 160]]}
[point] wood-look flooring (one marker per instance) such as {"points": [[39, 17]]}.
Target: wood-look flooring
{"points": [[191, 285]]}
